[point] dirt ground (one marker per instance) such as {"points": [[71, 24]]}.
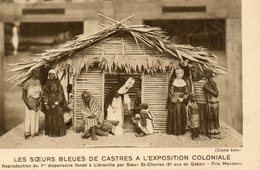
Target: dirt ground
{"points": [[15, 139]]}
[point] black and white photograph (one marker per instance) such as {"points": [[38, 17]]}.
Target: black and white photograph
{"points": [[122, 74]]}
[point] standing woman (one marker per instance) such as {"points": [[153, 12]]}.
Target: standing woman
{"points": [[53, 105], [31, 97], [177, 120]]}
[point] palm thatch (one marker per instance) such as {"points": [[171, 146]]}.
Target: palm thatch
{"points": [[68, 55]]}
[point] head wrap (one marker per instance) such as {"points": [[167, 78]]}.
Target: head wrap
{"points": [[53, 72], [128, 84]]}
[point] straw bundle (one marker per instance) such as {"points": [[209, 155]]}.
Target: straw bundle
{"points": [[68, 55]]}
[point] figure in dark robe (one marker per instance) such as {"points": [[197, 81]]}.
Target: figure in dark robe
{"points": [[177, 118], [54, 102]]}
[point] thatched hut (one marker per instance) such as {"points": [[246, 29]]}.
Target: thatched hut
{"points": [[97, 62]]}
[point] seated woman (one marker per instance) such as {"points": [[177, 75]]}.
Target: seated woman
{"points": [[144, 124], [113, 106]]}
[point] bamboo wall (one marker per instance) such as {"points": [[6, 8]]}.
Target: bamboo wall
{"points": [[153, 87], [155, 90]]}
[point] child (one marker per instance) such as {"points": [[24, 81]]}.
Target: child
{"points": [[193, 112], [144, 124]]}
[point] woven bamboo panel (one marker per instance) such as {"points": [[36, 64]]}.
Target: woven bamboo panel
{"points": [[95, 49], [119, 45], [131, 47], [112, 46], [155, 95], [92, 81]]}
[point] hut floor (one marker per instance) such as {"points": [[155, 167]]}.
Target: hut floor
{"points": [[14, 139]]}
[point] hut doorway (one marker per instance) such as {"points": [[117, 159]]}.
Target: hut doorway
{"points": [[111, 80]]}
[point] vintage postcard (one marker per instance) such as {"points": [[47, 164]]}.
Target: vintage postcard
{"points": [[139, 84]]}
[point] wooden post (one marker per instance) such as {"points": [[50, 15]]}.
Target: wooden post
{"points": [[2, 113]]}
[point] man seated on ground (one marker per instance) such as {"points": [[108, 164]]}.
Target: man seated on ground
{"points": [[93, 123], [144, 125], [91, 111]]}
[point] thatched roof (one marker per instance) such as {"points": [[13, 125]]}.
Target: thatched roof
{"points": [[61, 58]]}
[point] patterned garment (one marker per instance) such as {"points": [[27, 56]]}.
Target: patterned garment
{"points": [[31, 119], [193, 112], [199, 91], [33, 88], [94, 108]]}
